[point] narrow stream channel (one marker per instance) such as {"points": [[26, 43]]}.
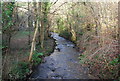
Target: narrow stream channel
{"points": [[63, 63]]}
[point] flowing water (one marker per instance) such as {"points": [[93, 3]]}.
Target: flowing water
{"points": [[63, 63]]}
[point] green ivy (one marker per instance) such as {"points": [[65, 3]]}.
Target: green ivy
{"points": [[7, 12]]}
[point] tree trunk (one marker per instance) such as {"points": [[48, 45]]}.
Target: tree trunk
{"points": [[29, 23], [42, 27], [33, 43], [35, 34]]}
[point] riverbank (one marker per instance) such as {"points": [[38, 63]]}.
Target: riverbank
{"points": [[18, 59]]}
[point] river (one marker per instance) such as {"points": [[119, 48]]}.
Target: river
{"points": [[63, 63]]}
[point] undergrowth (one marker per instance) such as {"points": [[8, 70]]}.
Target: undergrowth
{"points": [[66, 34], [102, 59], [23, 68], [20, 71]]}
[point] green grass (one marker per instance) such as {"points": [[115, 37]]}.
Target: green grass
{"points": [[21, 34]]}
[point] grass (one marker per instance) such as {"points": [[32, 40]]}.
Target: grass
{"points": [[22, 34]]}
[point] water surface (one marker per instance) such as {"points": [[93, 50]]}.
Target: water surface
{"points": [[63, 63]]}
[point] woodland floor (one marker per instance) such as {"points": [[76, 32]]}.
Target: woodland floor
{"points": [[20, 50]]}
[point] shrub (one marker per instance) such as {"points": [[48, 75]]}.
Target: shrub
{"points": [[114, 61], [66, 34], [37, 58]]}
